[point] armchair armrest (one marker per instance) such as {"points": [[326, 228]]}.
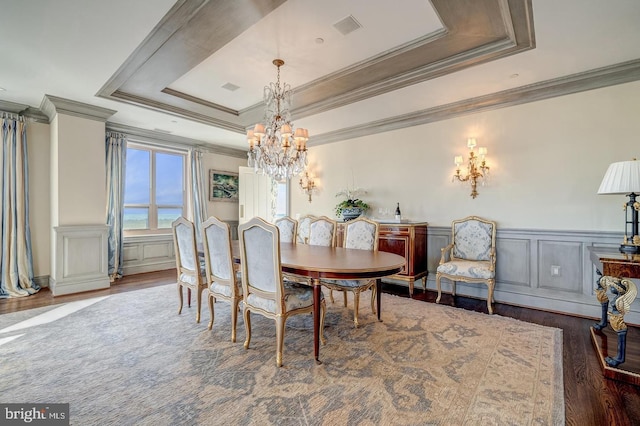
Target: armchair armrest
{"points": [[443, 253], [492, 259]]}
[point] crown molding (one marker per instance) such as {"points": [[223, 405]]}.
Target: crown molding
{"points": [[177, 111], [52, 105], [12, 107], [624, 72], [473, 32], [175, 141]]}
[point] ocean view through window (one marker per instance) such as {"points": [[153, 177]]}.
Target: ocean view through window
{"points": [[154, 194]]}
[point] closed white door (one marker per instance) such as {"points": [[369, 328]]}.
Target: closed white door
{"points": [[254, 195], [261, 196]]}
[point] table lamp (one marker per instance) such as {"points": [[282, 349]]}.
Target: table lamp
{"points": [[624, 178]]}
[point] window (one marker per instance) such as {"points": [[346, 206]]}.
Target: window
{"points": [[282, 200], [154, 190]]}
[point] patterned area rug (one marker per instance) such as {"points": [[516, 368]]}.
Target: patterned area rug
{"points": [[130, 359]]}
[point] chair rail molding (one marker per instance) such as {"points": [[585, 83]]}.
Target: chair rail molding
{"points": [[79, 259]]}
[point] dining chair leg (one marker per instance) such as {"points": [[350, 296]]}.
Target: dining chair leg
{"points": [[279, 339], [247, 327], [180, 296], [188, 297], [374, 294], [323, 311], [356, 305], [212, 300], [344, 296], [438, 287], [331, 296], [234, 319], [198, 301]]}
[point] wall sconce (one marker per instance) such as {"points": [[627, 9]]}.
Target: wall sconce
{"points": [[477, 168], [307, 184], [624, 178]]}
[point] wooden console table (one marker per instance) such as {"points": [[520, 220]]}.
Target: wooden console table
{"points": [[614, 272], [408, 240]]}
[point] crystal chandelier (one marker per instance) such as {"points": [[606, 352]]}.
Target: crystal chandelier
{"points": [[270, 144]]}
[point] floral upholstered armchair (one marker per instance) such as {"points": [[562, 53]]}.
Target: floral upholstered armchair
{"points": [[471, 256]]}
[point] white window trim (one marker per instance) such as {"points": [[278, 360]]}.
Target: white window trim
{"points": [[153, 208]]}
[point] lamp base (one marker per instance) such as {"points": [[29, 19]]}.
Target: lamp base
{"points": [[629, 248]]}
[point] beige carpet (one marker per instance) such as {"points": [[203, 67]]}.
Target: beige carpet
{"points": [[130, 359]]}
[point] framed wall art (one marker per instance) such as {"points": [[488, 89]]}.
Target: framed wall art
{"points": [[223, 186]]}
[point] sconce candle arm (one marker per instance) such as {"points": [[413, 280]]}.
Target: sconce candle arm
{"points": [[477, 168], [307, 184]]}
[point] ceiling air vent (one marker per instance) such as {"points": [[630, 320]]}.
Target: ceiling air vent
{"points": [[347, 25], [231, 87]]}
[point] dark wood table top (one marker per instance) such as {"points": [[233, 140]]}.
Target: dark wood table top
{"points": [[334, 262], [338, 262]]}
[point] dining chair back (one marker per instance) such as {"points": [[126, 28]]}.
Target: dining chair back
{"points": [[322, 232], [288, 229], [361, 234], [264, 290], [191, 274], [223, 280], [303, 229]]}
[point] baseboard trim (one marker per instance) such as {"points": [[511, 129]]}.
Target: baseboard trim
{"points": [[149, 267], [70, 287]]}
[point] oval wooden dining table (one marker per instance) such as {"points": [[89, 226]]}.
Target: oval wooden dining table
{"points": [[335, 263]]}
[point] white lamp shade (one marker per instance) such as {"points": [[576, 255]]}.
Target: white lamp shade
{"points": [[621, 178]]}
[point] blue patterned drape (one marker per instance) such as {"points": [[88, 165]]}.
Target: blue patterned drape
{"points": [[198, 191], [16, 266], [116, 146]]}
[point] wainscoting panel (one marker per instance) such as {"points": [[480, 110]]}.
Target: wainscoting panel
{"points": [[155, 252], [543, 269], [515, 259], [80, 259], [148, 253], [435, 243], [560, 265]]}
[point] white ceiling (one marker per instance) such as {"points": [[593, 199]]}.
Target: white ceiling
{"points": [[73, 48]]}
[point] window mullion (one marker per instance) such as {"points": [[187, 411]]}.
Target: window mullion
{"points": [[153, 208]]}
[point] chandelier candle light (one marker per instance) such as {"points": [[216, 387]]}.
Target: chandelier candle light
{"points": [[270, 144], [477, 168]]}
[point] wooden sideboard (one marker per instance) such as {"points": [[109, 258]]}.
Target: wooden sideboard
{"points": [[408, 240]]}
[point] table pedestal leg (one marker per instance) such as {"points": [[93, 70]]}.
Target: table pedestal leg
{"points": [[624, 292], [317, 295], [378, 295]]}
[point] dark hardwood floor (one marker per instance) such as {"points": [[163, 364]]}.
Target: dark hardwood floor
{"points": [[590, 399]]}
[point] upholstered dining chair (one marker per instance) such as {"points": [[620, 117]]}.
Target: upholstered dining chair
{"points": [[223, 280], [322, 232], [191, 274], [263, 288], [288, 229], [303, 228], [360, 233], [471, 256]]}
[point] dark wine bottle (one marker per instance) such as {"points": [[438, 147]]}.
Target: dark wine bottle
{"points": [[398, 214]]}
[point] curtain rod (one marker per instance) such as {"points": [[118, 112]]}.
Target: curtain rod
{"points": [[11, 116]]}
